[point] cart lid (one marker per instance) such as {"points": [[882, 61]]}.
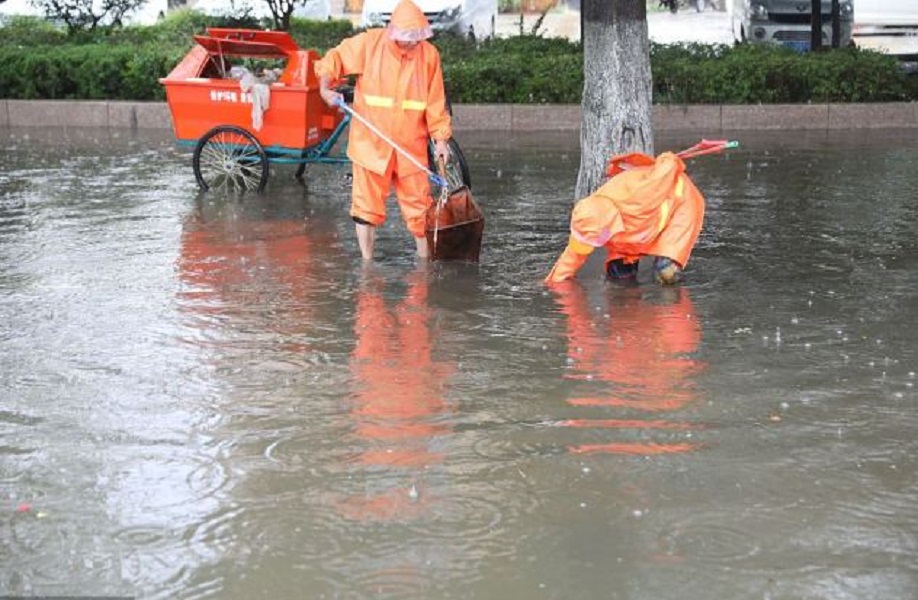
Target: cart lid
{"points": [[248, 42]]}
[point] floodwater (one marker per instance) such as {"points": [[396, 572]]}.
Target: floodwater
{"points": [[206, 397]]}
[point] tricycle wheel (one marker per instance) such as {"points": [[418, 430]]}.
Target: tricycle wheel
{"points": [[457, 169], [230, 158]]}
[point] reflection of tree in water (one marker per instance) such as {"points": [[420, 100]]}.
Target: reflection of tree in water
{"points": [[634, 363], [398, 400]]}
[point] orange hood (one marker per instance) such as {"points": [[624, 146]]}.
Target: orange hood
{"points": [[408, 19]]}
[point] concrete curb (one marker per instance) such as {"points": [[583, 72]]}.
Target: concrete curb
{"points": [[86, 113], [507, 117]]}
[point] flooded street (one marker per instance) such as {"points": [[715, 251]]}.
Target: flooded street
{"points": [[205, 397]]}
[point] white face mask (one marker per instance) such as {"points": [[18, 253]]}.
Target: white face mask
{"points": [[408, 35]]}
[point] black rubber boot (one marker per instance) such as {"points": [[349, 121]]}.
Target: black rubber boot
{"points": [[620, 270]]}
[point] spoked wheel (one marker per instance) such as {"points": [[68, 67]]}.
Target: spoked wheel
{"points": [[457, 170], [230, 158]]}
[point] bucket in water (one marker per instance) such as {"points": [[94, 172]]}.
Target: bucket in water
{"points": [[454, 227]]}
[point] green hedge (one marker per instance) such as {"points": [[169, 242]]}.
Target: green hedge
{"points": [[85, 72], [39, 61], [752, 74]]}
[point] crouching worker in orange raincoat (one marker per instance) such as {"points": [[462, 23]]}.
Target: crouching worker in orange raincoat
{"points": [[400, 91], [648, 207]]}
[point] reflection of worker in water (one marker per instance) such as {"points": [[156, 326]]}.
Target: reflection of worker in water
{"points": [[640, 357], [648, 207], [399, 399], [400, 90]]}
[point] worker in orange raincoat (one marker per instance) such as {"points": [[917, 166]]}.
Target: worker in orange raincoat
{"points": [[648, 207], [400, 90]]}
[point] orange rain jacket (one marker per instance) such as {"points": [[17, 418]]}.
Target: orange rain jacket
{"points": [[400, 92], [648, 207]]}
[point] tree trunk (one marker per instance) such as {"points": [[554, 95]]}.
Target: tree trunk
{"points": [[617, 91]]}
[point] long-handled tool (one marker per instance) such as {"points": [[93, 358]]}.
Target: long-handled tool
{"points": [[707, 147], [437, 179]]}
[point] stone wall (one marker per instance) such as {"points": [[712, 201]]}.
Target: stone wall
{"points": [[507, 117]]}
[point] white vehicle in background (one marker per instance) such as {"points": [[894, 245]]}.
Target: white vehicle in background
{"points": [[476, 18], [788, 21], [888, 26]]}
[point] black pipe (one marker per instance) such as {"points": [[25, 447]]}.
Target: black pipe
{"points": [[815, 25], [836, 23]]}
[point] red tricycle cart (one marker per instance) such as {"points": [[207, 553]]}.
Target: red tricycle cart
{"points": [[239, 121]]}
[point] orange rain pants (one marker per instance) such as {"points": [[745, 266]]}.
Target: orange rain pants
{"points": [[401, 92], [648, 207], [368, 201]]}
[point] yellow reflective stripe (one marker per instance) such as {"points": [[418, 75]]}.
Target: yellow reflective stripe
{"points": [[579, 247], [387, 102], [414, 105], [664, 208], [664, 215], [379, 101]]}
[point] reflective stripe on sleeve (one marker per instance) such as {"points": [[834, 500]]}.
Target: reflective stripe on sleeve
{"points": [[664, 215], [664, 208], [414, 105], [579, 247]]}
